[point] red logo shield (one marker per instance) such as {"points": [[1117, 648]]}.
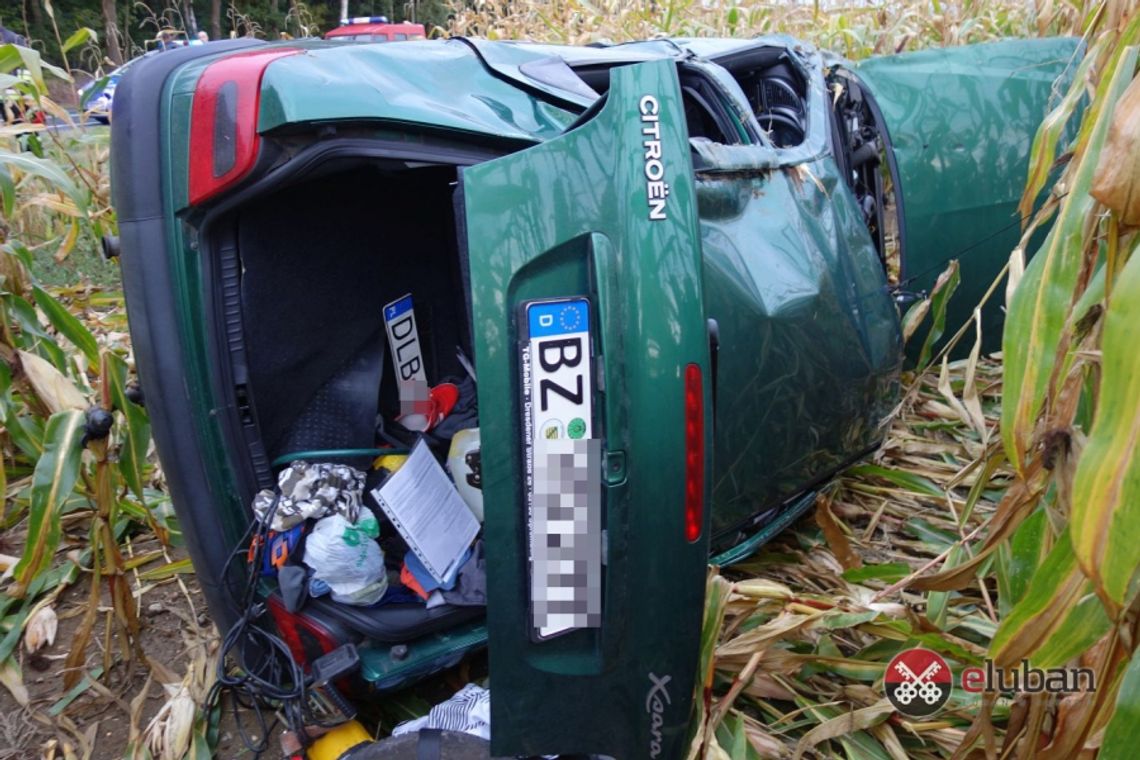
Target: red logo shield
{"points": [[918, 682]]}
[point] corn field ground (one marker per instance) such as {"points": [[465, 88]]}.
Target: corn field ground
{"points": [[1000, 520]]}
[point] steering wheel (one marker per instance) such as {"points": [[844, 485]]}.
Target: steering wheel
{"points": [[781, 112]]}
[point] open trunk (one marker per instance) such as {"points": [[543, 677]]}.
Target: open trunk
{"points": [[304, 266], [317, 261]]}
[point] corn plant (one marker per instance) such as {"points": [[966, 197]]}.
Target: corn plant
{"points": [[1037, 549], [855, 30], [74, 438], [1071, 419]]}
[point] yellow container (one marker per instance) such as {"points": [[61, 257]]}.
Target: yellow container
{"points": [[337, 743]]}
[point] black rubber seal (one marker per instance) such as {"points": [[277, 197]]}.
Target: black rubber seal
{"points": [[137, 139]]}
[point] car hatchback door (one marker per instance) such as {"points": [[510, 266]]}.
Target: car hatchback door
{"points": [[592, 357]]}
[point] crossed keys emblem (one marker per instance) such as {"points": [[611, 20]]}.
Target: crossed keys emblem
{"points": [[918, 686]]}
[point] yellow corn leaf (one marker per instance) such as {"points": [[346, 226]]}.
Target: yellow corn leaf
{"points": [[51, 386], [13, 679], [848, 723], [68, 243]]}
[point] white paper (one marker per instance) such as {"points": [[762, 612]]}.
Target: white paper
{"points": [[421, 501]]}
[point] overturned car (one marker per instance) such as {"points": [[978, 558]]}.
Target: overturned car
{"points": [[671, 270]]}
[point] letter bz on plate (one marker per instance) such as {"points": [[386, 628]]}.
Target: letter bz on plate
{"points": [[562, 463]]}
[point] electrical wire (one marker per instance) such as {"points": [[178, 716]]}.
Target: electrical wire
{"points": [[264, 673]]}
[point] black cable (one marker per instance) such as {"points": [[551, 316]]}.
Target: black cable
{"points": [[274, 679]]}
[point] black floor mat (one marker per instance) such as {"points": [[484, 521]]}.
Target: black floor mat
{"points": [[342, 413]]}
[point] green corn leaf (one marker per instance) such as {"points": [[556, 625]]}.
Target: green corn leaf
{"points": [[79, 37], [1039, 307], [12, 637], [67, 324], [1106, 488], [940, 296], [135, 431], [938, 602], [900, 478], [49, 171], [34, 337], [890, 571], [28, 438], [54, 477], [1122, 736], [1044, 150], [1058, 618], [7, 191], [1018, 561]]}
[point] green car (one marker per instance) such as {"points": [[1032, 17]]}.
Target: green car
{"points": [[694, 251]]}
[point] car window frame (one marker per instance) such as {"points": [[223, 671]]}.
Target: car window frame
{"points": [[763, 154]]}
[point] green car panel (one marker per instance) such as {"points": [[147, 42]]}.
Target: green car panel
{"points": [[794, 283], [958, 120], [366, 82], [572, 217], [761, 271]]}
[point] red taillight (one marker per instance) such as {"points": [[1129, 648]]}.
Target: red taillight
{"points": [[223, 121], [694, 453]]}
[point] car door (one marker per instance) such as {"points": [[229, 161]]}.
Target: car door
{"points": [[591, 349], [961, 122]]}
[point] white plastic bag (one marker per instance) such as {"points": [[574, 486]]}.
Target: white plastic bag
{"points": [[347, 558]]}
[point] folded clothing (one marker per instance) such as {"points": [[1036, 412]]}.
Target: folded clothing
{"points": [[468, 710]]}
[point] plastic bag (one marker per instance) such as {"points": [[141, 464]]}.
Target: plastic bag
{"points": [[346, 557]]}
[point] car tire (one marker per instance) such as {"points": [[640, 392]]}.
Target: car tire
{"points": [[426, 745]]}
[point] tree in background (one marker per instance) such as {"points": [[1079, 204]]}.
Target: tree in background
{"points": [[127, 25], [111, 32]]}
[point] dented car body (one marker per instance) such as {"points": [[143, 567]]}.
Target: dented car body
{"points": [[738, 218]]}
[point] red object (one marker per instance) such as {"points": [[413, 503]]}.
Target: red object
{"points": [[223, 121], [440, 401], [378, 32], [443, 397], [918, 682], [409, 580], [694, 453], [307, 640]]}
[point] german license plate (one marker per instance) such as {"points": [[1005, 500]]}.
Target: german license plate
{"points": [[563, 467]]}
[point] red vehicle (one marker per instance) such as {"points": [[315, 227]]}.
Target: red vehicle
{"points": [[376, 29]]}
